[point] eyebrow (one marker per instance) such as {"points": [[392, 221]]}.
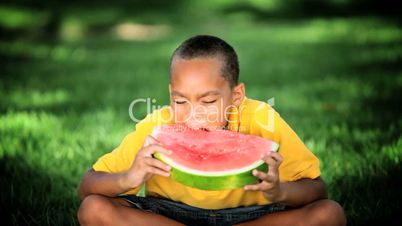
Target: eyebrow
{"points": [[208, 93]]}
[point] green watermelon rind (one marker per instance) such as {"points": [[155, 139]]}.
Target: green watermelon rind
{"points": [[216, 180]]}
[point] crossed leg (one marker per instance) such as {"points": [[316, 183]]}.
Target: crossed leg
{"points": [[102, 210], [319, 213]]}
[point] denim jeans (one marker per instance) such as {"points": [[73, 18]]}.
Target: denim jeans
{"points": [[194, 216]]}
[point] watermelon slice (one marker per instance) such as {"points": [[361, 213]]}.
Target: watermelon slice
{"points": [[212, 160]]}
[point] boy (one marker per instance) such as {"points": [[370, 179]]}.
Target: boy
{"points": [[205, 94]]}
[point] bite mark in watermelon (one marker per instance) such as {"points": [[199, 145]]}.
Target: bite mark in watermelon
{"points": [[212, 160]]}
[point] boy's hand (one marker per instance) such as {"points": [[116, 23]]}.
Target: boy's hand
{"points": [[269, 184], [144, 165]]}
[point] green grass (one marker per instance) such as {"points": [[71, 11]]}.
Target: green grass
{"points": [[64, 103]]}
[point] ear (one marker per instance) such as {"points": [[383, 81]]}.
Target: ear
{"points": [[238, 93]]}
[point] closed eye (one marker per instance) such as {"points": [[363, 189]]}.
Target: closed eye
{"points": [[180, 102], [209, 102]]}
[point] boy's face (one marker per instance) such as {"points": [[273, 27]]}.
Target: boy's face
{"points": [[199, 95]]}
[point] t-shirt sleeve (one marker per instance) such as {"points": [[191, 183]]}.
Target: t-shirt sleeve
{"points": [[122, 157], [298, 161]]}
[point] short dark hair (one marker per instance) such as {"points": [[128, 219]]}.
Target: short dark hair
{"points": [[211, 46]]}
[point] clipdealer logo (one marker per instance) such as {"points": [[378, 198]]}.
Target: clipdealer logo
{"points": [[263, 115]]}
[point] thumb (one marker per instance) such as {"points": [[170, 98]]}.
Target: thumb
{"points": [[150, 140]]}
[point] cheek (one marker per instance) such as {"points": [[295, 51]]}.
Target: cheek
{"points": [[217, 114], [214, 114]]}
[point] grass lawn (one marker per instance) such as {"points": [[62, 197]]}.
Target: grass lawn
{"points": [[64, 103]]}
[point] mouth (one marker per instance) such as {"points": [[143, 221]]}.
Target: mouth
{"points": [[206, 128]]}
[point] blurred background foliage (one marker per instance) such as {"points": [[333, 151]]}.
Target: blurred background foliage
{"points": [[69, 70]]}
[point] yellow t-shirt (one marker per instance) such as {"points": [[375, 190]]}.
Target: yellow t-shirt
{"points": [[251, 117]]}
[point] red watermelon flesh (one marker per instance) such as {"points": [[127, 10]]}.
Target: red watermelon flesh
{"points": [[212, 160], [218, 150]]}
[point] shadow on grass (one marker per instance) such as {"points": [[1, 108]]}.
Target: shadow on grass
{"points": [[371, 200], [31, 196], [50, 29], [384, 105], [296, 9]]}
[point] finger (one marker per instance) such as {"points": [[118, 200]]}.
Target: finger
{"points": [[256, 187], [271, 162], [278, 157], [152, 140], [151, 149], [154, 170], [263, 176], [149, 140], [158, 164]]}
